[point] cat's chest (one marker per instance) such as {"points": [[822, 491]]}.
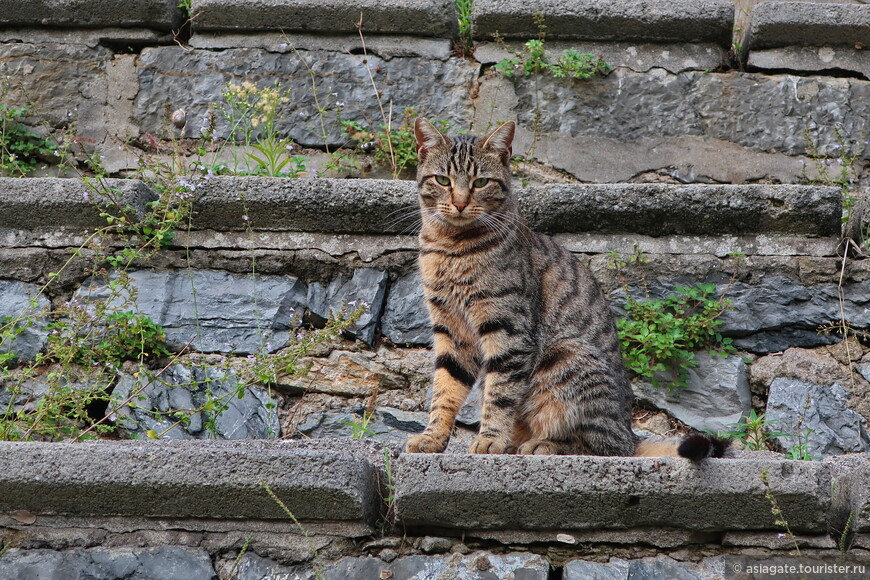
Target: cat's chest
{"points": [[452, 278]]}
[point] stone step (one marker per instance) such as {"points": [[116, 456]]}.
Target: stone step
{"points": [[206, 479], [419, 18], [372, 206], [581, 493], [776, 24], [648, 21], [35, 203], [347, 482], [156, 14]]}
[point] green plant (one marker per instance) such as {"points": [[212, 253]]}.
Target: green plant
{"points": [[663, 335], [754, 432], [534, 59], [20, 147], [394, 147], [319, 569], [185, 6], [464, 45], [779, 517], [252, 114], [801, 450], [837, 167], [360, 425]]}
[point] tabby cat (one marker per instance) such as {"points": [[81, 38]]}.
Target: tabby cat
{"points": [[519, 311]]}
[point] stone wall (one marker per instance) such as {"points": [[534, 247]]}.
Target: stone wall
{"points": [[719, 131]]}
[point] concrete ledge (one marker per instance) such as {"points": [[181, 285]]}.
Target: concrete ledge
{"points": [[655, 209], [157, 14], [640, 21], [382, 206], [370, 206], [421, 17], [189, 480], [39, 202], [575, 492], [775, 24]]}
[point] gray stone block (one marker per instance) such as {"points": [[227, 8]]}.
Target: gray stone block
{"points": [[163, 562], [646, 21], [304, 205], [386, 424], [366, 286], [251, 413], [421, 18], [213, 311], [189, 479], [717, 395], [474, 566], [580, 492], [406, 320], [657, 209], [647, 121], [776, 24], [24, 315], [193, 81], [796, 407], [158, 14], [656, 568], [38, 202]]}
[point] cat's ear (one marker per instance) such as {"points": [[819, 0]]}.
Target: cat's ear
{"points": [[427, 137], [500, 141]]}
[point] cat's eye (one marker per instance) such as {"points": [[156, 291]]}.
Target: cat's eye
{"points": [[442, 179], [480, 182]]}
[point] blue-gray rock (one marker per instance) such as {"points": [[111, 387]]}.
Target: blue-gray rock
{"points": [[717, 395], [155, 402], [469, 413], [254, 567], [386, 425], [213, 311], [658, 568], [367, 286], [160, 563], [23, 319], [797, 408], [474, 566], [406, 320]]}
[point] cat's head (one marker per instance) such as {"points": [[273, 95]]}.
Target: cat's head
{"points": [[462, 179]]}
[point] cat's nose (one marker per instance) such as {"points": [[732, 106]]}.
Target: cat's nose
{"points": [[460, 206]]}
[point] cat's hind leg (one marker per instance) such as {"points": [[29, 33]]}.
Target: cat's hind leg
{"points": [[577, 404]]}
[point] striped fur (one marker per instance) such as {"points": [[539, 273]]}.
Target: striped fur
{"points": [[516, 310]]}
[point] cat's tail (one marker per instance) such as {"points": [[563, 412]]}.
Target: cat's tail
{"points": [[695, 447]]}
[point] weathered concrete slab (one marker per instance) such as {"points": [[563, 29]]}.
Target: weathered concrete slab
{"points": [[189, 479], [378, 206], [194, 81], [422, 18], [811, 59], [40, 202], [775, 24], [576, 492], [657, 209], [157, 14], [650, 20]]}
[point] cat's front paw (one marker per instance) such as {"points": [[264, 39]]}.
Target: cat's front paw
{"points": [[424, 444], [490, 446]]}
